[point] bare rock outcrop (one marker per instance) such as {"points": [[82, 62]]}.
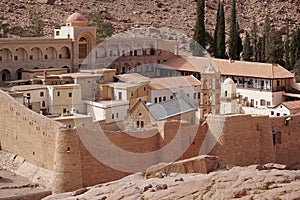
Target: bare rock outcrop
{"points": [[200, 164], [270, 181]]}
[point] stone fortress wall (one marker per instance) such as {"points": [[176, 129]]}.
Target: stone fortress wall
{"points": [[243, 140]]}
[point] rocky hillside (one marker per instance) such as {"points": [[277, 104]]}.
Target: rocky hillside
{"points": [[253, 182], [128, 14]]}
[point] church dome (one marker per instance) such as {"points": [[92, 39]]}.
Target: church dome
{"points": [[76, 17], [228, 81]]}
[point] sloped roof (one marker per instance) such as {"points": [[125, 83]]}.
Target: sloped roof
{"points": [[292, 105], [132, 77], [252, 69], [173, 82], [230, 68], [170, 108], [191, 63]]}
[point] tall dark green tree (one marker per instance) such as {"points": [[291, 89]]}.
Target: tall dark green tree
{"points": [[260, 49], [266, 32], [287, 48], [219, 35], [295, 48], [234, 39], [254, 39], [200, 34], [247, 48], [275, 48]]}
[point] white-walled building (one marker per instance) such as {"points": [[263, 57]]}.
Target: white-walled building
{"points": [[228, 97], [286, 108], [260, 85], [108, 111], [165, 89]]}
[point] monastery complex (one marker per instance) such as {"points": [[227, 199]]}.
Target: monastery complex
{"points": [[75, 107]]}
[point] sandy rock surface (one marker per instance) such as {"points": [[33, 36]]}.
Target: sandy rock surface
{"points": [[253, 182]]}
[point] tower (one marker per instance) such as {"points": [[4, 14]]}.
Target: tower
{"points": [[83, 38]]}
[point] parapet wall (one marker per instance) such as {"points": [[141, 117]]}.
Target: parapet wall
{"points": [[247, 140]]}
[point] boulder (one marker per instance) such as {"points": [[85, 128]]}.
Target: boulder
{"points": [[199, 164]]}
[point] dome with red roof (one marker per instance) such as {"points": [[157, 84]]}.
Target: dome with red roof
{"points": [[76, 17]]}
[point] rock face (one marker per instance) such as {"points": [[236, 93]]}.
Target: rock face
{"points": [[128, 14], [201, 164], [269, 181]]}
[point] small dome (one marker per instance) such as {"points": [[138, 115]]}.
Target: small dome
{"points": [[228, 81], [76, 17]]}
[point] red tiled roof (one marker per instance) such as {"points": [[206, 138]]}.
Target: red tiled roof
{"points": [[252, 69], [292, 105]]}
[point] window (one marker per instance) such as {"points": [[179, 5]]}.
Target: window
{"points": [[268, 103], [132, 93], [60, 56], [46, 57], [272, 112], [142, 124], [120, 95], [155, 100], [57, 33], [117, 115], [225, 93], [140, 114], [113, 116], [276, 137], [159, 99], [144, 88], [195, 95], [70, 94], [41, 94], [0, 58], [138, 124], [64, 110], [278, 114], [198, 95], [58, 93], [28, 94], [30, 57], [278, 83], [263, 102], [171, 97], [165, 98], [16, 57]]}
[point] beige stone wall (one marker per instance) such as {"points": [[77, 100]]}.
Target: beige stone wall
{"points": [[27, 133]]}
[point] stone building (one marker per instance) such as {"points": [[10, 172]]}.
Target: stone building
{"points": [[74, 47]]}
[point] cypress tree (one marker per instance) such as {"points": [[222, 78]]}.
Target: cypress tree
{"points": [[266, 33], [247, 50], [233, 34], [294, 48], [239, 41], [199, 34], [260, 49], [287, 48], [254, 39], [275, 48], [219, 35]]}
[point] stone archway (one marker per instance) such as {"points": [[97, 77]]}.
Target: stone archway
{"points": [[5, 75], [18, 74], [5, 55]]}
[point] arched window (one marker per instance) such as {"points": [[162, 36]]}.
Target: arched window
{"points": [[138, 124]]}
